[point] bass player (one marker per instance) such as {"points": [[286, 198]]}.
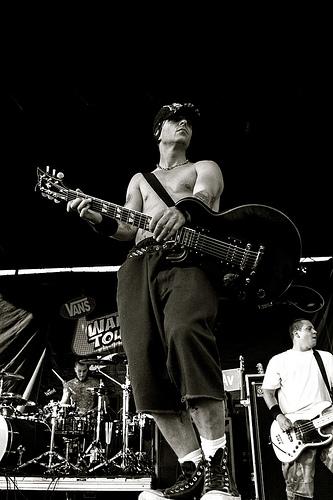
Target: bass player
{"points": [[294, 389]]}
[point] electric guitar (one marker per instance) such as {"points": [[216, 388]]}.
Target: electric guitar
{"points": [[257, 247], [288, 445]]}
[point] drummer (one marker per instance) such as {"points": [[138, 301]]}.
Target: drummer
{"points": [[81, 391]]}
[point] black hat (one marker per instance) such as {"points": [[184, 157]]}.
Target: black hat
{"points": [[187, 109]]}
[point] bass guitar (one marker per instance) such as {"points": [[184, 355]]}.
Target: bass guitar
{"points": [[288, 445], [257, 247]]}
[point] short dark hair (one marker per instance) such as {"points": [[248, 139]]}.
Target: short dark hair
{"points": [[295, 325], [79, 363]]}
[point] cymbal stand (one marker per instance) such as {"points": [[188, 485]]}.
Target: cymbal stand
{"points": [[62, 463], [131, 461], [125, 420], [144, 463], [127, 456], [95, 451], [141, 419]]}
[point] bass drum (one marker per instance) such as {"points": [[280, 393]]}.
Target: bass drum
{"points": [[22, 440]]}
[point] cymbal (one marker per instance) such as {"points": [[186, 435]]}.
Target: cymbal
{"points": [[96, 361], [13, 399], [119, 357], [116, 358], [11, 376]]}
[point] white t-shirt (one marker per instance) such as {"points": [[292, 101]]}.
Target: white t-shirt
{"points": [[297, 377]]}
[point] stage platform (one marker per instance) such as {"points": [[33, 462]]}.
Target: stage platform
{"points": [[94, 484]]}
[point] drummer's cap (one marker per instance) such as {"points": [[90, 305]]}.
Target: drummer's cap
{"points": [[172, 112]]}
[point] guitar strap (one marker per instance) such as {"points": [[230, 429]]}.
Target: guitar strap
{"points": [[323, 371], [158, 188]]}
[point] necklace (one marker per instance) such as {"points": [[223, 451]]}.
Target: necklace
{"points": [[173, 166]]}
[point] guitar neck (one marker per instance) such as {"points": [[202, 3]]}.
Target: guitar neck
{"points": [[324, 419], [108, 209], [226, 251]]}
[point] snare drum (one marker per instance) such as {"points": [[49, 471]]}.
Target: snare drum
{"points": [[74, 425], [21, 440]]}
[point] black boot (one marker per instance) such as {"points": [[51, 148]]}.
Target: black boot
{"points": [[188, 485], [218, 479]]}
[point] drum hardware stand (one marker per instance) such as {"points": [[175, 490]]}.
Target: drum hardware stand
{"points": [[95, 451], [63, 462], [144, 463], [20, 450], [129, 462], [123, 453]]}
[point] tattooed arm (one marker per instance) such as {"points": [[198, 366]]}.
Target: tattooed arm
{"points": [[209, 184]]}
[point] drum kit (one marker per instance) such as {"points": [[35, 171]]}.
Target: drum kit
{"points": [[58, 440]]}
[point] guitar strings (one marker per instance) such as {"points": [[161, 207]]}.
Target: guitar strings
{"points": [[216, 245], [229, 251], [308, 426]]}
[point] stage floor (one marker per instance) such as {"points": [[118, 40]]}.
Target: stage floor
{"points": [[35, 483]]}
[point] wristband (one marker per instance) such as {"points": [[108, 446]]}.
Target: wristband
{"points": [[275, 411], [107, 227]]}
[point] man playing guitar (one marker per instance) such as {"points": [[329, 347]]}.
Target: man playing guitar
{"points": [[167, 311], [295, 392]]}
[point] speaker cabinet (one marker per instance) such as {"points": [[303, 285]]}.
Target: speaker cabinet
{"points": [[267, 474]]}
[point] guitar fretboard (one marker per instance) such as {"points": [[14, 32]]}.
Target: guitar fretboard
{"points": [[227, 252], [324, 419], [121, 214]]}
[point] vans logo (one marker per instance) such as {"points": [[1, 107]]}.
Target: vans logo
{"points": [[77, 307]]}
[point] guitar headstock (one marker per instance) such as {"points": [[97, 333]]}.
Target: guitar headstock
{"points": [[50, 185]]}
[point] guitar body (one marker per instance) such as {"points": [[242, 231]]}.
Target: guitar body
{"points": [[305, 433], [252, 251], [256, 225]]}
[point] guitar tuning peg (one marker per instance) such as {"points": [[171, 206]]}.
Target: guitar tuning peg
{"points": [[60, 175], [56, 201]]}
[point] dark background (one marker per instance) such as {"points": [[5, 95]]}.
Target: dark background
{"points": [[79, 93], [81, 98]]}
